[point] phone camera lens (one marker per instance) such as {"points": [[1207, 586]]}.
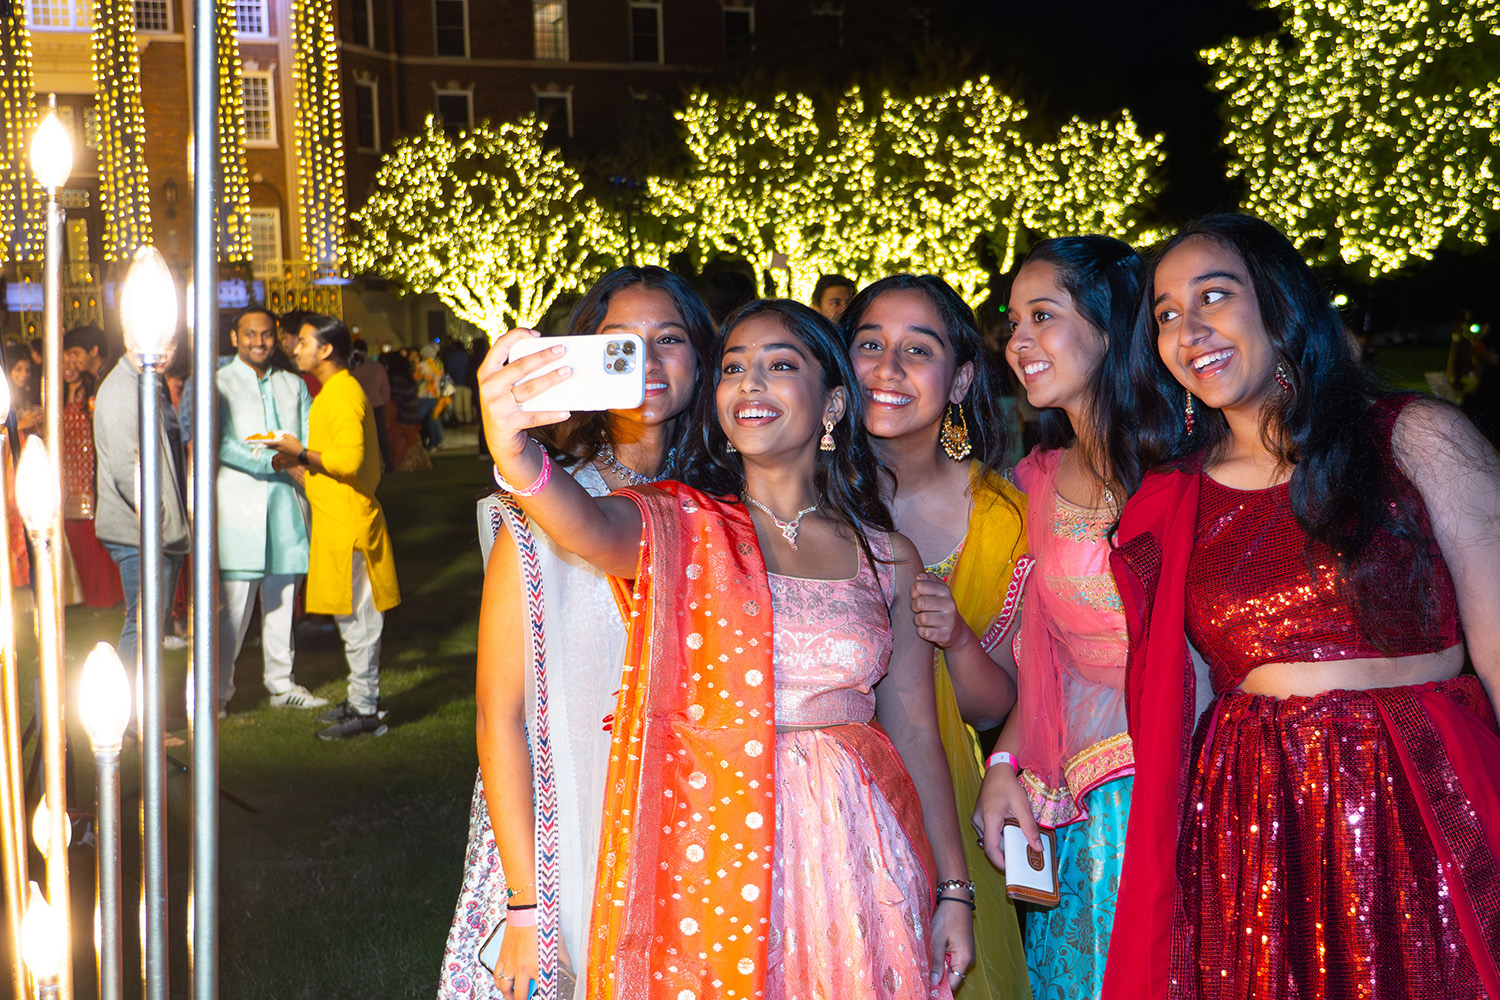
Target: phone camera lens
{"points": [[619, 365], [627, 348], [612, 348]]}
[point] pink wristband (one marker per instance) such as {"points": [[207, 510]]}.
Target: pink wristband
{"points": [[542, 479], [1003, 757], [521, 918]]}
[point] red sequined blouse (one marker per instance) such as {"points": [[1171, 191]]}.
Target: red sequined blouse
{"points": [[1251, 599]]}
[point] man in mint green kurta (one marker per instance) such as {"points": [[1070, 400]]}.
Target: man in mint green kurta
{"points": [[263, 516]]}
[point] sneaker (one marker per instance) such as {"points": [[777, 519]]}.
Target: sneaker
{"points": [[342, 711], [354, 724], [297, 696]]}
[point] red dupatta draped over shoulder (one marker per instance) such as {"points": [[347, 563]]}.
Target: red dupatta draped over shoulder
{"points": [[683, 899]]}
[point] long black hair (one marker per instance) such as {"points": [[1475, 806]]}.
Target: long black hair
{"points": [[1340, 491], [847, 478], [1103, 277], [982, 410], [580, 438]]}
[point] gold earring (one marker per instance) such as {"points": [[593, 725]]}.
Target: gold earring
{"points": [[955, 437], [826, 443], [1187, 415]]}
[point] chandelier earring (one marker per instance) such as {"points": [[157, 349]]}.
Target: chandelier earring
{"points": [[1187, 415], [826, 442], [1283, 378], [955, 436]]}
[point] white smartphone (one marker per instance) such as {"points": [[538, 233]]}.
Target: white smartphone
{"points": [[1031, 875], [609, 372]]}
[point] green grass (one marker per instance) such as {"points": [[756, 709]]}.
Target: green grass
{"points": [[342, 882]]}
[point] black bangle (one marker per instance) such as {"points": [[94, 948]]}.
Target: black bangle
{"points": [[955, 899], [523, 906], [302, 458]]}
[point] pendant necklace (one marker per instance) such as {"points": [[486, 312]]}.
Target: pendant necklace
{"points": [[607, 460], [788, 528]]}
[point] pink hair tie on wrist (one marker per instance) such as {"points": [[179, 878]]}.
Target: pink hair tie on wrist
{"points": [[542, 479], [1003, 757]]}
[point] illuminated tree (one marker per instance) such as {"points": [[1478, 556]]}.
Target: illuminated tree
{"points": [[21, 200], [1097, 177], [234, 185], [319, 131], [124, 190], [1367, 129], [490, 220]]}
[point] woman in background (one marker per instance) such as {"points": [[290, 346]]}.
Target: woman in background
{"points": [[97, 572], [932, 410], [582, 644]]}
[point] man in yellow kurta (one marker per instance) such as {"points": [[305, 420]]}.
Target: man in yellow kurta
{"points": [[351, 570]]}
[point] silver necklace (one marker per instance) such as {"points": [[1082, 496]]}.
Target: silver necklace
{"points": [[788, 528], [607, 460]]}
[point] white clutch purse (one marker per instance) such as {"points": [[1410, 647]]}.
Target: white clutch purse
{"points": [[1031, 875]]}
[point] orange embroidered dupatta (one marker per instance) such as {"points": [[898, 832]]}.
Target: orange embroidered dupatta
{"points": [[682, 905]]}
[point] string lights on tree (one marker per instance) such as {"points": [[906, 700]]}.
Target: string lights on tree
{"points": [[1095, 178], [21, 200], [491, 220], [234, 183], [319, 132], [1369, 130], [123, 188]]}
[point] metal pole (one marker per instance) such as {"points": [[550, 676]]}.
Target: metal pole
{"points": [[205, 886], [12, 799], [107, 763], [149, 628]]}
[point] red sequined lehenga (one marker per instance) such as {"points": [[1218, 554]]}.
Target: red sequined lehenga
{"points": [[1339, 845], [97, 572]]}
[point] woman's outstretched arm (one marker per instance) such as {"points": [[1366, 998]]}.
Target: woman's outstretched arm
{"points": [[606, 531]]}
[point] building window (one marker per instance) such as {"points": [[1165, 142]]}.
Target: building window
{"points": [[554, 110], [60, 15], [153, 15], [451, 22], [645, 31], [250, 18], [265, 240], [260, 108], [363, 16], [366, 120], [549, 19], [739, 26], [456, 109]]}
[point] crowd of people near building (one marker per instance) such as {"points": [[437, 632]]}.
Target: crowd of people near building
{"points": [[1233, 625]]}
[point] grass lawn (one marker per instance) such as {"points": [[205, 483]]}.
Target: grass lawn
{"points": [[342, 881]]}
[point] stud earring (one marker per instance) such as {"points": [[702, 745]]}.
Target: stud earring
{"points": [[1187, 415], [1283, 378], [955, 437], [826, 443]]}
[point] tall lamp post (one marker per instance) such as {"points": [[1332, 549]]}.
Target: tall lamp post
{"points": [[52, 162], [105, 693], [148, 311], [12, 797]]}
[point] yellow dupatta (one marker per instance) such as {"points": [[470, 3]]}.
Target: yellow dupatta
{"points": [[996, 538]]}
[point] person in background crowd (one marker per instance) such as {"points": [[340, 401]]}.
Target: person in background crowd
{"points": [[263, 516], [428, 373], [931, 408], [97, 572], [351, 568], [1326, 552], [1064, 760], [455, 359], [477, 350], [831, 296], [117, 453], [286, 340], [90, 341], [25, 389], [403, 418], [372, 378], [581, 645]]}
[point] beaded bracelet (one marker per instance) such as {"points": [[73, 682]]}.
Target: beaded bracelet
{"points": [[542, 479], [955, 899], [1003, 757], [955, 883]]}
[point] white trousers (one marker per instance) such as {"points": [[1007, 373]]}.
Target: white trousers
{"points": [[277, 597], [361, 634]]}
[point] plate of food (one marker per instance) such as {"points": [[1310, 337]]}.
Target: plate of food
{"points": [[264, 438]]}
